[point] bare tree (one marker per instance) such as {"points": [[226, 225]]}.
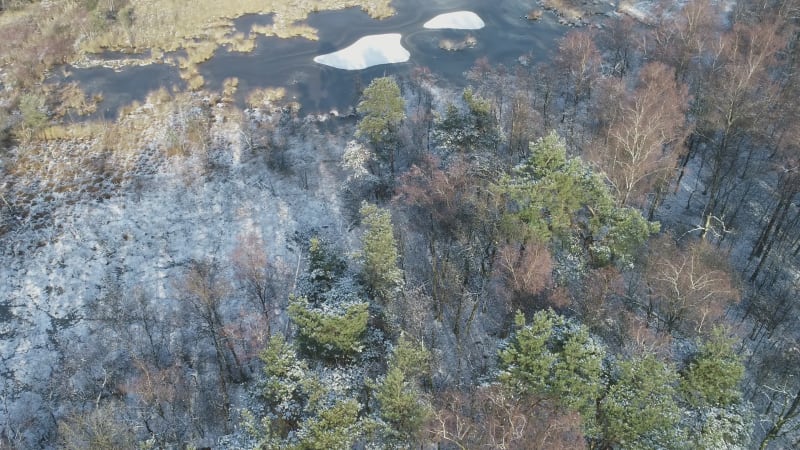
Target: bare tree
{"points": [[525, 271], [735, 107], [102, 428], [492, 418], [262, 278], [577, 66], [204, 292], [617, 40], [689, 288], [680, 38], [642, 142]]}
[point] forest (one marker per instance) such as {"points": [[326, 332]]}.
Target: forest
{"points": [[597, 251]]}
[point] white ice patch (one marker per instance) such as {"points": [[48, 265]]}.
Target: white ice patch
{"points": [[459, 20], [372, 50]]}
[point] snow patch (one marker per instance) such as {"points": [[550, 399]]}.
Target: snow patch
{"points": [[372, 50], [459, 20]]}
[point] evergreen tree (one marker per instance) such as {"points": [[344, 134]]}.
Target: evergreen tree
{"points": [[577, 372], [287, 386], [399, 395], [332, 331], [553, 197], [334, 428], [324, 266], [305, 413], [411, 358], [401, 405], [528, 361], [714, 375], [557, 358], [380, 271], [716, 416], [475, 129], [382, 110], [638, 411]]}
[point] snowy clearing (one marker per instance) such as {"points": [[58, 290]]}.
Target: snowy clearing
{"points": [[372, 50], [143, 238], [459, 20]]}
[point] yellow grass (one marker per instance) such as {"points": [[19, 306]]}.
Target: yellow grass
{"points": [[200, 51], [238, 43], [229, 87], [75, 132], [570, 9], [170, 24], [195, 82], [159, 97], [76, 157], [262, 97]]}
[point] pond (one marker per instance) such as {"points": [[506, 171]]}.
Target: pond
{"points": [[288, 63]]}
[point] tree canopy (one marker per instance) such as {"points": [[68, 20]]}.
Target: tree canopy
{"points": [[380, 271], [555, 197], [382, 110]]}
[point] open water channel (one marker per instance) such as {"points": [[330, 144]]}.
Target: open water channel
{"points": [[288, 63]]}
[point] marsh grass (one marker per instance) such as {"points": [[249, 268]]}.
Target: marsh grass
{"points": [[229, 88], [262, 97], [87, 156], [37, 36], [169, 25], [201, 51], [73, 132], [239, 43], [570, 9], [195, 82], [72, 99]]}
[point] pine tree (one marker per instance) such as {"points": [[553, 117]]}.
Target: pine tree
{"points": [[382, 111], [324, 266], [334, 428], [330, 332], [380, 271], [639, 411], [713, 377], [304, 413], [475, 129], [553, 197], [527, 362], [402, 405], [554, 357]]}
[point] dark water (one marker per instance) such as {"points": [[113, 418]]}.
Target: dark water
{"points": [[288, 62], [126, 86]]}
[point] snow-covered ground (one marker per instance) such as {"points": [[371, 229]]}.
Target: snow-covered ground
{"points": [[366, 52], [144, 237], [459, 20]]}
